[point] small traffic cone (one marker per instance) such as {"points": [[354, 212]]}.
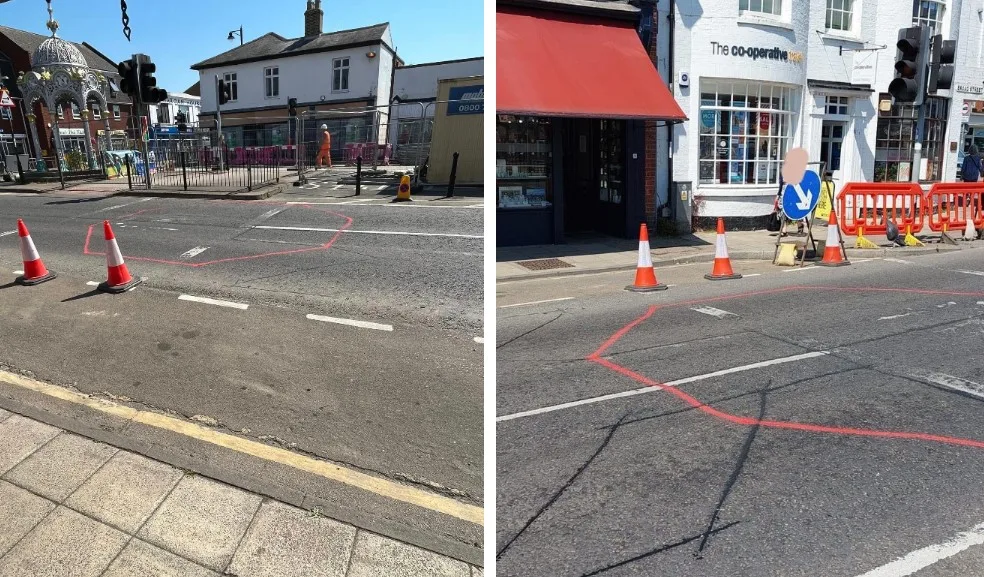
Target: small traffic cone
{"points": [[833, 251], [722, 262], [34, 270], [403, 192], [645, 279], [119, 277]]}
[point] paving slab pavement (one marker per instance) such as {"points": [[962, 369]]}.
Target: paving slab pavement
{"points": [[608, 254], [72, 507]]}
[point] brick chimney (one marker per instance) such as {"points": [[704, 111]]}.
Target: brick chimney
{"points": [[313, 18]]}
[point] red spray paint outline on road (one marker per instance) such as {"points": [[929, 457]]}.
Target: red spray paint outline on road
{"points": [[325, 246], [595, 357]]}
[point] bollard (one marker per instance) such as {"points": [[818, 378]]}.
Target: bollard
{"points": [[249, 172], [129, 178], [358, 175], [20, 170], [454, 171], [184, 170]]}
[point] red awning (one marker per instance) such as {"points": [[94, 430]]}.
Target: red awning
{"points": [[552, 64]]}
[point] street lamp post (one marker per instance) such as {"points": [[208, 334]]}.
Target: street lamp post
{"points": [[234, 33]]}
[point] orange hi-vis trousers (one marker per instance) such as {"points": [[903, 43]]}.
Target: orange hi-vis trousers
{"points": [[324, 153]]}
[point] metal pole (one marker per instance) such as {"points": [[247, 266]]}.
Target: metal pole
{"points": [[20, 169], [129, 179], [218, 116], [184, 171], [249, 170], [454, 171], [358, 175], [922, 75]]}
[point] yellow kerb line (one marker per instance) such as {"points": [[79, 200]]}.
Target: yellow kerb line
{"points": [[357, 479]]}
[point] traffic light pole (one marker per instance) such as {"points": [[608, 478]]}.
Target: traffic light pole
{"points": [[143, 111], [921, 103], [218, 118]]}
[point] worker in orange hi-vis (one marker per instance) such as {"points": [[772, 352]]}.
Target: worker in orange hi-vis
{"points": [[325, 151]]}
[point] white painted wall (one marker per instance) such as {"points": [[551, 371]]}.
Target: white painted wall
{"points": [[421, 81], [876, 25], [307, 77]]}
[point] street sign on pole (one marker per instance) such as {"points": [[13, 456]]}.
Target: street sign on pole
{"points": [[5, 100], [799, 200]]}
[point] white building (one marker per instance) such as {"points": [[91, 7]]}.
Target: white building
{"points": [[166, 113], [757, 77], [415, 86], [347, 70]]}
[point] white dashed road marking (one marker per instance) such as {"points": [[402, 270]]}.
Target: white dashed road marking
{"points": [[956, 383], [7, 233], [350, 322], [194, 252], [479, 340], [18, 272], [536, 302], [973, 272], [897, 260], [799, 268], [337, 186], [386, 232], [216, 302], [676, 383], [922, 558], [92, 283], [753, 274], [713, 312]]}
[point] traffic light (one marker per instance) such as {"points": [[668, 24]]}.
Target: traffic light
{"points": [[941, 64], [292, 106], [128, 71], [180, 119], [224, 92], [149, 93], [910, 78]]}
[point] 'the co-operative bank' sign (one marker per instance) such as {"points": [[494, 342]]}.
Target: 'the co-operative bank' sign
{"points": [[466, 100]]}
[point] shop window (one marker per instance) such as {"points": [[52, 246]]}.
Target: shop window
{"points": [[745, 131], [523, 162], [762, 6], [895, 136], [840, 15], [611, 182], [929, 13], [837, 105]]}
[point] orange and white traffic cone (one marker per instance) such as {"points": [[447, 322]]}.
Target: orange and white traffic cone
{"points": [[34, 270], [722, 262], [833, 251], [645, 279], [119, 277]]}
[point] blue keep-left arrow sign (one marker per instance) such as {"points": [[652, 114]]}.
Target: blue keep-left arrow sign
{"points": [[800, 200]]}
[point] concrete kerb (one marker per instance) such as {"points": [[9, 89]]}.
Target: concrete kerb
{"points": [[762, 255], [260, 194]]}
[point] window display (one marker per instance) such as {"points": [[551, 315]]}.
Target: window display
{"points": [[744, 131], [523, 162]]}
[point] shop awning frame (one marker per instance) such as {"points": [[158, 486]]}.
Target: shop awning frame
{"points": [[568, 65]]}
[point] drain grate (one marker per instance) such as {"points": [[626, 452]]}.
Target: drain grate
{"points": [[544, 264]]}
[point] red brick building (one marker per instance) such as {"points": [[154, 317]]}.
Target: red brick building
{"points": [[17, 49]]}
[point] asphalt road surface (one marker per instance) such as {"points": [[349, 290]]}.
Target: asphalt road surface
{"points": [[794, 422], [342, 331]]}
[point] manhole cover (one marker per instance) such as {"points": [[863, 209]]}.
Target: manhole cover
{"points": [[545, 264]]}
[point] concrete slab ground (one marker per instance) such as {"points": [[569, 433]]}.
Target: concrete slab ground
{"points": [[72, 507]]}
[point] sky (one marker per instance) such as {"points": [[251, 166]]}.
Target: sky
{"points": [[179, 33]]}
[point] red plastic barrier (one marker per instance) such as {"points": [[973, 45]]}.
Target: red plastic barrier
{"points": [[951, 203], [872, 205]]}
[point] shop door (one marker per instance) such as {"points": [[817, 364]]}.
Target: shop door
{"points": [[581, 177], [831, 145], [610, 191]]}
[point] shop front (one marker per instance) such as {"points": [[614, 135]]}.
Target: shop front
{"points": [[570, 147]]}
